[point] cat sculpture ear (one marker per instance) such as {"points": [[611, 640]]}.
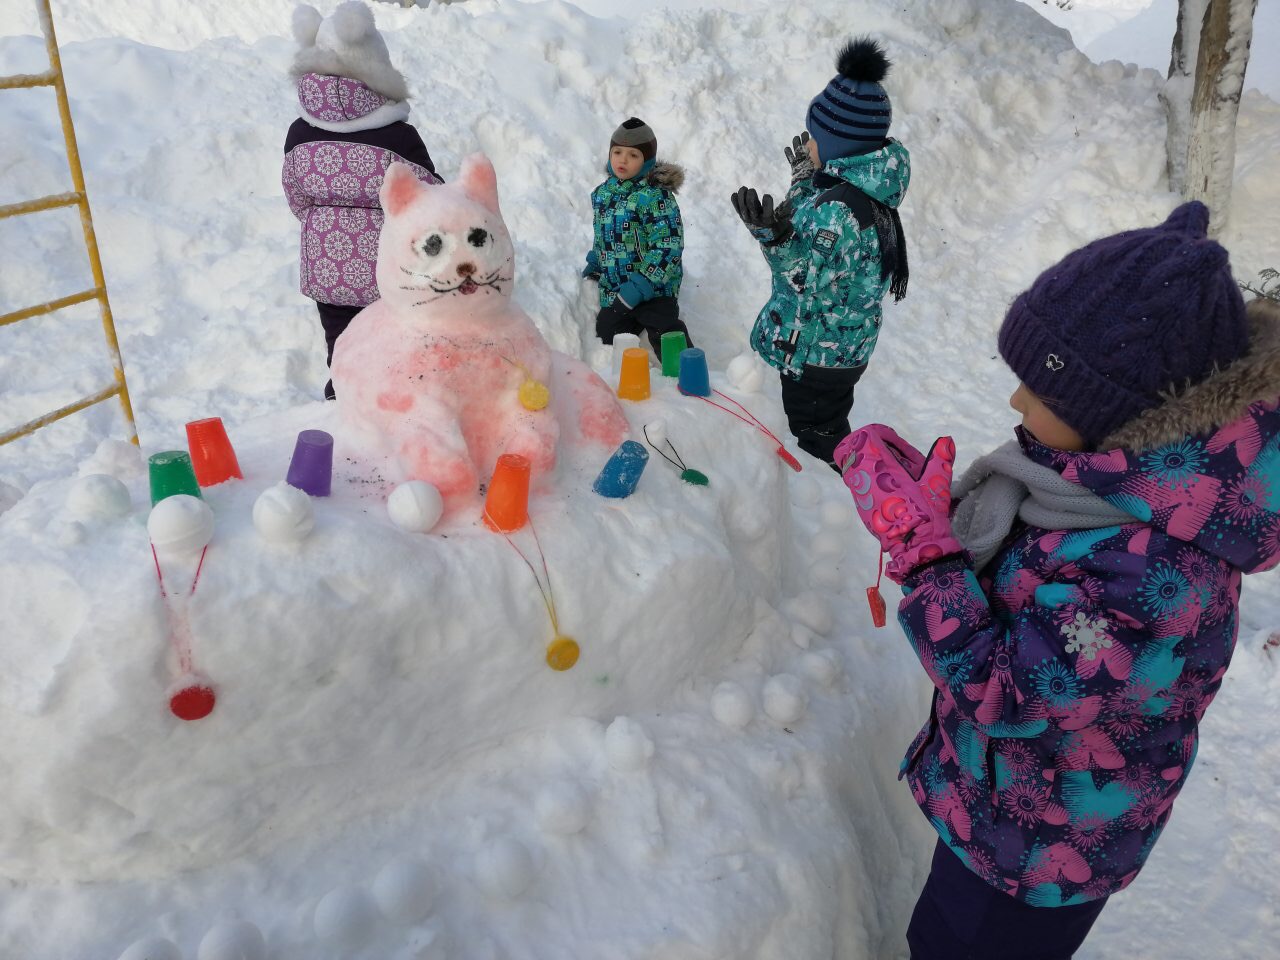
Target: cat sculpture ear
{"points": [[399, 189], [480, 181]]}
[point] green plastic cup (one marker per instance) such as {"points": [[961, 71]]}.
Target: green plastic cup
{"points": [[673, 342], [171, 473]]}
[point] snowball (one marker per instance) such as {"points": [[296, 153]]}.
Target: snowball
{"points": [[152, 948], [822, 666], [801, 636], [71, 533], [812, 610], [732, 705], [180, 524], [828, 545], [233, 940], [743, 516], [504, 868], [953, 16], [627, 745], [837, 514], [655, 431], [745, 373], [345, 916], [415, 506], [405, 889], [784, 698], [99, 495], [562, 808], [805, 491], [826, 574], [283, 514], [1110, 72]]}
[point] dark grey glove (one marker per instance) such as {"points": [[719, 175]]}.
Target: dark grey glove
{"points": [[760, 214], [798, 156]]}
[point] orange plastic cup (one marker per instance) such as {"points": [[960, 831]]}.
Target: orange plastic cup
{"points": [[212, 456], [633, 380], [506, 505]]}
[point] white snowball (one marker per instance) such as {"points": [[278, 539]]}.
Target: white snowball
{"points": [[731, 705], [180, 524], [72, 533], [405, 889], [812, 610], [415, 506], [504, 868], [828, 545], [743, 516], [152, 948], [745, 373], [954, 16], [562, 808], [805, 490], [99, 495], [822, 666], [826, 574], [837, 514], [656, 432], [283, 514], [233, 940], [622, 342], [627, 745], [784, 698], [801, 636], [1110, 72], [345, 915]]}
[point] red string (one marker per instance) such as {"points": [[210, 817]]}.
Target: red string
{"points": [[749, 419], [178, 624]]}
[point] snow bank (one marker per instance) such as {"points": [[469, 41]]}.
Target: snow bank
{"points": [[381, 693]]}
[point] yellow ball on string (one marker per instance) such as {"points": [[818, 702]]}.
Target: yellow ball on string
{"points": [[562, 653]]}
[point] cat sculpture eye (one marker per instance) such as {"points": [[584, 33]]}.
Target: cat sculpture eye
{"points": [[477, 237], [431, 246]]}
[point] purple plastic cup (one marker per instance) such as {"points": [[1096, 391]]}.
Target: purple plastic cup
{"points": [[311, 469]]}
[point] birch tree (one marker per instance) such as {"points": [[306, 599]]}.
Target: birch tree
{"points": [[1202, 96]]}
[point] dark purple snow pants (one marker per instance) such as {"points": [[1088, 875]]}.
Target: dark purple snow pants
{"points": [[959, 916]]}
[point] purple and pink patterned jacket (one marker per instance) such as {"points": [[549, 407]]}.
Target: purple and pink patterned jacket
{"points": [[331, 176], [1071, 673]]}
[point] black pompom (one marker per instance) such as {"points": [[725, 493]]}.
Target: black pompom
{"points": [[632, 123], [863, 59]]}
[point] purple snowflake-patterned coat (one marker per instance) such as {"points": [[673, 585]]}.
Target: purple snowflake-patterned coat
{"points": [[331, 176], [1071, 673]]}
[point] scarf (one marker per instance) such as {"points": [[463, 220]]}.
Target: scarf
{"points": [[1006, 486]]}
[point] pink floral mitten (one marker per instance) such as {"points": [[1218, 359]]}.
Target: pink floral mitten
{"points": [[902, 496]]}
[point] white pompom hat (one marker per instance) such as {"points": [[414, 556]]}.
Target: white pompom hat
{"points": [[345, 44]]}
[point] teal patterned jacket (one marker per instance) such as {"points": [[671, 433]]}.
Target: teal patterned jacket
{"points": [[639, 237], [827, 286]]}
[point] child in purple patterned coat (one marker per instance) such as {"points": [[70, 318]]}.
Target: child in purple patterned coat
{"points": [[1077, 610], [353, 105]]}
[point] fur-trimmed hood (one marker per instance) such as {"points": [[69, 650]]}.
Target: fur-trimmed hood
{"points": [[1224, 397], [662, 174], [1204, 467], [345, 44]]}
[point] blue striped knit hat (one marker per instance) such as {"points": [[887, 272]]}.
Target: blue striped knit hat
{"points": [[852, 115]]}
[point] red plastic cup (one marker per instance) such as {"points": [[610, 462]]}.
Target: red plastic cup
{"points": [[212, 456], [506, 505]]}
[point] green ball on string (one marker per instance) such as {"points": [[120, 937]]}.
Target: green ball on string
{"points": [[696, 477]]}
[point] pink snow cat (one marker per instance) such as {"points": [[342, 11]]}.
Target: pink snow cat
{"points": [[446, 372]]}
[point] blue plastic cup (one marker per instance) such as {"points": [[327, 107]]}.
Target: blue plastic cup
{"points": [[694, 378], [620, 475]]}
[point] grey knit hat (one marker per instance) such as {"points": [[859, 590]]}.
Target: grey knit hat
{"points": [[634, 132]]}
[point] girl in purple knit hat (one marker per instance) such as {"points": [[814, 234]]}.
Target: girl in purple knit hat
{"points": [[353, 107], [1074, 596]]}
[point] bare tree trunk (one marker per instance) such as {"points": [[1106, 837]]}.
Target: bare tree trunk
{"points": [[1202, 97]]}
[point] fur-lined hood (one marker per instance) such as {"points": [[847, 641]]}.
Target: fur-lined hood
{"points": [[1221, 399], [663, 174], [345, 44], [1205, 466]]}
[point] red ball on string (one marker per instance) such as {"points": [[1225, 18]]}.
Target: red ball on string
{"points": [[194, 702]]}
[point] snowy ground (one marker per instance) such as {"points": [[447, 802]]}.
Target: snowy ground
{"points": [[785, 839]]}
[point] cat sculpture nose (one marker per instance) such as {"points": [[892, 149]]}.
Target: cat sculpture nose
{"points": [[466, 269]]}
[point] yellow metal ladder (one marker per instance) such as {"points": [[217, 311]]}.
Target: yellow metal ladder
{"points": [[78, 198]]}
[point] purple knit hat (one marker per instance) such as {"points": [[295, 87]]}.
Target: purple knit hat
{"points": [[1103, 334]]}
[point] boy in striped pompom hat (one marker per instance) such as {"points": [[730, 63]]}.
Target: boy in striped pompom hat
{"points": [[835, 247]]}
